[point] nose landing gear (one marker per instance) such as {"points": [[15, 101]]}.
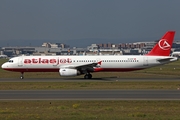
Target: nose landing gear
{"points": [[22, 77]]}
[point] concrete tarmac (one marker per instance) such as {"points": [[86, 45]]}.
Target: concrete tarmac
{"points": [[90, 95], [85, 80]]}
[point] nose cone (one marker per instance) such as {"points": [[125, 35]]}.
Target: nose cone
{"points": [[3, 66]]}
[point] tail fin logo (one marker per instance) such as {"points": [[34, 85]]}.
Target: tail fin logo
{"points": [[163, 44]]}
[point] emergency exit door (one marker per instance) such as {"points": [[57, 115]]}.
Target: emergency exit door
{"points": [[145, 61]]}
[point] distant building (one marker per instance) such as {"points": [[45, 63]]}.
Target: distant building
{"points": [[54, 45], [136, 48]]}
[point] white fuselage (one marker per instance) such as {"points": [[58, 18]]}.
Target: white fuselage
{"points": [[106, 63]]}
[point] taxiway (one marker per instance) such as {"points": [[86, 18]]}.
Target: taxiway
{"points": [[89, 95]]}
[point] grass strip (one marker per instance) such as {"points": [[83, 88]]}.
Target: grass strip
{"points": [[90, 110]]}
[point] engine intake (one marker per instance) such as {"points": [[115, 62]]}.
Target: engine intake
{"points": [[69, 72]]}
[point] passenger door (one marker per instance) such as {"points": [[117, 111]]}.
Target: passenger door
{"points": [[20, 61]]}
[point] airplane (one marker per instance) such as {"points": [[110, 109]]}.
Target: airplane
{"points": [[3, 56], [176, 53], [78, 65]]}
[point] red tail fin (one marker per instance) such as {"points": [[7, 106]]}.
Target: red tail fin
{"points": [[163, 47]]}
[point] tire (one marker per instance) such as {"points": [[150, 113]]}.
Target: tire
{"points": [[86, 77], [89, 76]]}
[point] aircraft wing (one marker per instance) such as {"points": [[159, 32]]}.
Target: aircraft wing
{"points": [[83, 67]]}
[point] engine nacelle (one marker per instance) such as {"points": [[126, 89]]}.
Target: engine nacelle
{"points": [[68, 72]]}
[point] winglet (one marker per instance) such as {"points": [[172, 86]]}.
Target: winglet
{"points": [[163, 47]]}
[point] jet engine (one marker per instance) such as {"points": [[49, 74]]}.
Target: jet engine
{"points": [[69, 72]]}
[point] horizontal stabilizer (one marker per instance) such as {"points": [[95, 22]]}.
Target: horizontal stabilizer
{"points": [[167, 59]]}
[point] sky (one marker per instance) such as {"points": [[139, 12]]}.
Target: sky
{"points": [[84, 22]]}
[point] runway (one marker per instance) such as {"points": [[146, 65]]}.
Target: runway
{"points": [[85, 80], [89, 95]]}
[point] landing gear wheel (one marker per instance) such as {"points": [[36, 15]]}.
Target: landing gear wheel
{"points": [[88, 76], [22, 77], [85, 76]]}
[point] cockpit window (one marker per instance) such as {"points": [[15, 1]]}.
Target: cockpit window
{"points": [[11, 61]]}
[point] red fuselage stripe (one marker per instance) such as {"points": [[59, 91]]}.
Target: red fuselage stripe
{"points": [[57, 69]]}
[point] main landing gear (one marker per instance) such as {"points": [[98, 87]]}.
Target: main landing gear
{"points": [[22, 77], [87, 76]]}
